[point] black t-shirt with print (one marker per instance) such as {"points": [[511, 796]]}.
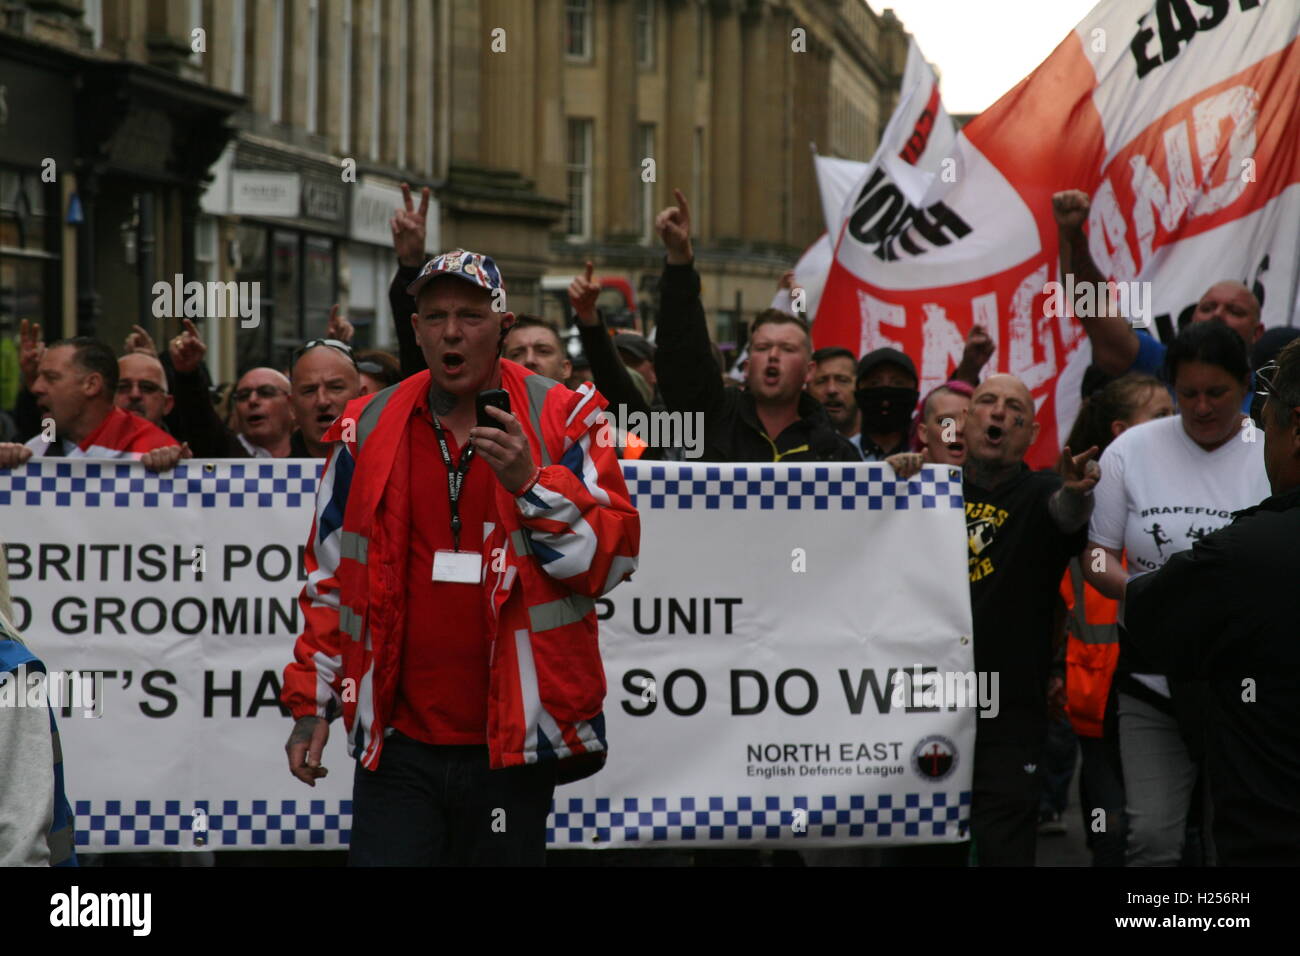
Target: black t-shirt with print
{"points": [[1017, 559]]}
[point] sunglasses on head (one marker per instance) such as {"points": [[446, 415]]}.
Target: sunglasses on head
{"points": [[328, 343], [1264, 379]]}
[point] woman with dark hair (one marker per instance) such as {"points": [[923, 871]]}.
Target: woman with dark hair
{"points": [[378, 369], [1165, 485], [1092, 645]]}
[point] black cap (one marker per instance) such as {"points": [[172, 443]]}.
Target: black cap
{"points": [[886, 356], [636, 345], [1270, 344]]}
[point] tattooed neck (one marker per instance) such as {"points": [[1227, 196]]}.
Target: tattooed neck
{"points": [[442, 403], [990, 474]]}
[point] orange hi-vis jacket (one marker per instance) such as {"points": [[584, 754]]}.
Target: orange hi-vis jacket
{"points": [[547, 554], [1091, 653], [633, 448]]}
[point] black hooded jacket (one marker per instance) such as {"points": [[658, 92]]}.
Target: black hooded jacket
{"points": [[1228, 612], [690, 382]]}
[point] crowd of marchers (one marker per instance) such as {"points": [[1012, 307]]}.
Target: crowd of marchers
{"points": [[1137, 601]]}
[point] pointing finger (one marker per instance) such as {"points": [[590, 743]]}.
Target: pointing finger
{"points": [[406, 197], [424, 202], [681, 203], [590, 269]]}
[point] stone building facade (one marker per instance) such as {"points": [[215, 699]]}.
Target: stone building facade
{"points": [[262, 141]]}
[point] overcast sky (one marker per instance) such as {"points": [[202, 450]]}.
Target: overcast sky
{"points": [[982, 48]]}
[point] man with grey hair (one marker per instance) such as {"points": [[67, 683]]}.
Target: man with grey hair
{"points": [[263, 413], [142, 388]]}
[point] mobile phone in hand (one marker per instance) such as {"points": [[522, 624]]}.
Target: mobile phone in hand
{"points": [[497, 397]]}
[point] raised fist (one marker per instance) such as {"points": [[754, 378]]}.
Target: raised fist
{"points": [[1071, 208]]}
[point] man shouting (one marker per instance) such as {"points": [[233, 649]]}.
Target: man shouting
{"points": [[449, 608]]}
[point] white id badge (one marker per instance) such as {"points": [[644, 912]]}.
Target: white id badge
{"points": [[458, 567]]}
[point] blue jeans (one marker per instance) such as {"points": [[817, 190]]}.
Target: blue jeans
{"points": [[442, 806]]}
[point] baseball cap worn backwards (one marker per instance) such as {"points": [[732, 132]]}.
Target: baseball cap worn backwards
{"points": [[471, 267]]}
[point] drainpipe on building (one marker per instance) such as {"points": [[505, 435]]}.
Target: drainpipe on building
{"points": [[146, 267]]}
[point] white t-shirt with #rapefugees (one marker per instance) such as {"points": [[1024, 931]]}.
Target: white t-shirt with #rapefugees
{"points": [[1160, 493]]}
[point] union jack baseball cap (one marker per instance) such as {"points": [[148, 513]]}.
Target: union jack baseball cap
{"points": [[470, 266]]}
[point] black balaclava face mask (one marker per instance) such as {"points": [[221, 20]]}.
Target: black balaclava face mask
{"points": [[886, 410]]}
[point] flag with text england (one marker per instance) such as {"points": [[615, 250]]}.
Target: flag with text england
{"points": [[1177, 118]]}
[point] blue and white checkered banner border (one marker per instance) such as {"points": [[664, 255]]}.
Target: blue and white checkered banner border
{"points": [[229, 823], [154, 824], [654, 487], [111, 484], [576, 820], [874, 487]]}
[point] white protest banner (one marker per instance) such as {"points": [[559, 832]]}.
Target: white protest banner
{"points": [[755, 663], [182, 588], [1178, 120], [766, 664]]}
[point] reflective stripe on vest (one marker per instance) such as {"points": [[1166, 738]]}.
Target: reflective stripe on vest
{"points": [[369, 416], [521, 544], [538, 386], [566, 610], [1086, 631], [350, 622], [354, 546]]}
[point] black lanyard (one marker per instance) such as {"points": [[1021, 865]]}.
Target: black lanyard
{"points": [[455, 478]]}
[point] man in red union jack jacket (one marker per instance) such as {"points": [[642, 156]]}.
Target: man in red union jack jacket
{"points": [[449, 601]]}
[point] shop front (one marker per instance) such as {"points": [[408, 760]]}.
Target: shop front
{"points": [[372, 262], [288, 236], [37, 154]]}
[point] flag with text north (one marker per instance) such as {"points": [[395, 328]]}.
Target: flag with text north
{"points": [[1177, 117]]}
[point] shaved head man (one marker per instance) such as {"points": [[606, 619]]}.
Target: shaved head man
{"points": [[1235, 306], [324, 379], [142, 387], [263, 415], [1000, 428], [1022, 529]]}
